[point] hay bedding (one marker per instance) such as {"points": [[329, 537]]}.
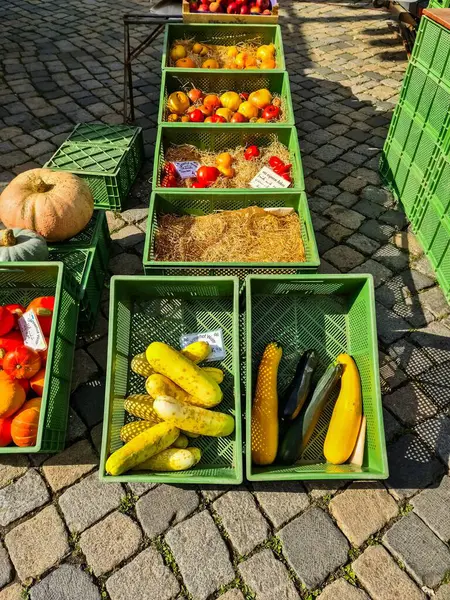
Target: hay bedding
{"points": [[244, 235], [245, 170]]}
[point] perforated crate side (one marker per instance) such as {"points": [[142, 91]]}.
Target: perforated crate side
{"points": [[103, 134]]}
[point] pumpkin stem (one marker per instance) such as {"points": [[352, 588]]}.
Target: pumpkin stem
{"points": [[42, 187], [7, 238], [43, 312]]}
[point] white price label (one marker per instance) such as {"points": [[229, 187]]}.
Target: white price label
{"points": [[214, 339], [31, 331], [187, 169], [267, 178]]}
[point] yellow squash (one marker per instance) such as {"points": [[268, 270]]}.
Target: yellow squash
{"points": [[134, 428], [197, 351], [159, 385], [169, 362], [264, 426], [142, 447], [193, 418], [216, 374], [171, 459], [347, 413]]}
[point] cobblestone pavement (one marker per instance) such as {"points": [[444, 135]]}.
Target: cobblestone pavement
{"points": [[64, 535]]}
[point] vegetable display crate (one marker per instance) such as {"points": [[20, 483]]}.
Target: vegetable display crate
{"points": [[330, 314], [226, 81], [109, 170], [208, 17], [225, 35], [101, 134], [233, 136], [88, 267], [203, 202], [432, 46], [146, 309], [21, 283], [439, 4]]}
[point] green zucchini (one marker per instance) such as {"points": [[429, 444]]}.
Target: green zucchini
{"points": [[298, 390], [301, 429]]}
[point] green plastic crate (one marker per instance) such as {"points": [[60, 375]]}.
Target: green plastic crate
{"points": [[223, 81], [109, 171], [331, 314], [88, 267], [206, 202], [439, 4], [208, 138], [146, 309], [102, 134], [432, 48], [22, 282], [223, 35]]}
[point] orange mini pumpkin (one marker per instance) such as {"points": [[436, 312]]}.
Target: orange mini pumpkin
{"points": [[37, 382], [24, 426], [12, 395], [22, 363]]}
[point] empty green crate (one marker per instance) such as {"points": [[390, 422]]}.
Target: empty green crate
{"points": [[101, 134], [21, 283], [109, 171], [223, 35], [223, 81], [331, 314], [440, 185], [432, 49], [147, 309], [209, 138], [205, 202], [88, 267]]}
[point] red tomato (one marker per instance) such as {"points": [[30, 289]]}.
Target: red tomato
{"points": [[17, 311], [7, 320], [218, 119], [274, 161], [251, 152], [198, 185], [196, 116], [271, 112], [169, 181], [207, 175], [22, 363]]}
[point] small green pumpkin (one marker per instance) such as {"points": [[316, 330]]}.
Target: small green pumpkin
{"points": [[22, 245]]}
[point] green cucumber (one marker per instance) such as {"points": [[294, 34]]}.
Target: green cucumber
{"points": [[297, 392], [301, 429]]}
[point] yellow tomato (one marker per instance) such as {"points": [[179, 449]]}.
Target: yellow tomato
{"points": [[185, 63], [265, 52], [224, 159], [178, 51], [248, 109], [172, 117], [232, 52], [178, 103], [226, 113], [230, 100], [241, 59], [260, 98], [227, 171], [211, 63]]}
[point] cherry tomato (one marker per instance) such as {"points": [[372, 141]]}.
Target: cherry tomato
{"points": [[196, 116]]}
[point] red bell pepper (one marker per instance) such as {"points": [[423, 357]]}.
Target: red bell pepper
{"points": [[43, 307]]}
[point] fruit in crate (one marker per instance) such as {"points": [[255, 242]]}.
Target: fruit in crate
{"points": [[44, 308], [260, 98], [193, 418], [12, 395], [230, 100], [232, 7], [178, 103], [22, 363], [177, 52], [248, 109], [24, 426], [5, 432], [210, 63], [7, 321], [185, 63], [55, 204], [172, 459]]}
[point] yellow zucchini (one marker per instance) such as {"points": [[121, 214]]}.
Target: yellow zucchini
{"points": [[193, 418], [159, 385], [264, 426], [197, 351], [188, 376], [216, 374], [357, 457], [131, 430], [181, 442], [142, 447], [141, 405], [139, 364], [345, 421], [171, 459]]}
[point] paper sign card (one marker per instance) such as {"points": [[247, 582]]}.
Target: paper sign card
{"points": [[214, 339], [267, 178], [31, 331], [186, 169]]}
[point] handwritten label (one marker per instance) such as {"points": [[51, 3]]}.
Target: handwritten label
{"points": [[186, 169], [267, 178], [31, 331], [214, 339]]}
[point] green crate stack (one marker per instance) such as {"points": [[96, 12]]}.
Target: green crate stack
{"points": [[416, 155], [107, 157], [86, 259], [439, 4], [20, 283]]}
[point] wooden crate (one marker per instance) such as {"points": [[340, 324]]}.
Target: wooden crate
{"points": [[197, 17]]}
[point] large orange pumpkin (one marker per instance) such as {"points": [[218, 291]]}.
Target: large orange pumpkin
{"points": [[56, 204], [24, 425], [12, 395]]}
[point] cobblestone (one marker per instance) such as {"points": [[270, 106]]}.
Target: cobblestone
{"points": [[67, 582], [341, 590], [242, 520], [188, 541], [267, 577], [144, 577], [110, 542], [164, 506], [22, 496], [6, 570], [382, 578], [37, 544], [426, 557], [12, 592], [313, 546], [283, 504], [64, 469], [436, 433], [432, 507]]}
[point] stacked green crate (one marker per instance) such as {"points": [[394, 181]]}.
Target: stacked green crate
{"points": [[107, 157], [416, 156]]}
